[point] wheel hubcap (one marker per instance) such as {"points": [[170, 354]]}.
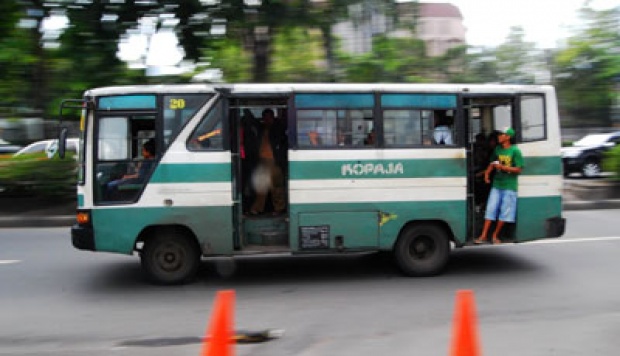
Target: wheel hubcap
{"points": [[169, 257], [422, 248], [591, 169]]}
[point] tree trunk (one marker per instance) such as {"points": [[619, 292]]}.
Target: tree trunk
{"points": [[329, 52], [262, 54]]}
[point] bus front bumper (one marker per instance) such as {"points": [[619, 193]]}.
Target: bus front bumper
{"points": [[83, 237], [555, 227]]}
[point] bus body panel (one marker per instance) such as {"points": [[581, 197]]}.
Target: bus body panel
{"points": [[389, 218], [397, 186], [117, 229]]}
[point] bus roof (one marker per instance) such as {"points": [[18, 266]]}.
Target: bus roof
{"points": [[283, 88]]}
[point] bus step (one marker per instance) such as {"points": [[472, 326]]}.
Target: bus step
{"points": [[261, 250], [271, 238]]}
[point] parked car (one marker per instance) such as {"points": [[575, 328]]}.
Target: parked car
{"points": [[7, 148], [585, 155], [49, 147]]}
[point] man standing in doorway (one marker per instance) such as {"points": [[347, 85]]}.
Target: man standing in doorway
{"points": [[507, 161], [268, 176]]}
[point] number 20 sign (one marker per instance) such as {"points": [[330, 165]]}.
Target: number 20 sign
{"points": [[177, 104]]}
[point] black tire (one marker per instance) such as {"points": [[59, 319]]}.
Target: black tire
{"points": [[170, 258], [422, 250], [591, 168]]}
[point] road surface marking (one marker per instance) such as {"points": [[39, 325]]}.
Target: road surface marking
{"points": [[8, 262], [581, 239]]}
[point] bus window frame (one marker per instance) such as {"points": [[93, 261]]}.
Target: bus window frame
{"points": [[457, 125], [293, 121], [519, 126], [129, 113]]}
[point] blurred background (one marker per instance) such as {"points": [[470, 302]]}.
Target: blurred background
{"points": [[56, 49]]}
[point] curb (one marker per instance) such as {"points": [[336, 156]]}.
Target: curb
{"points": [[68, 220], [591, 204], [38, 221]]}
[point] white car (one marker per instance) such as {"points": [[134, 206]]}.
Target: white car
{"points": [[50, 147]]}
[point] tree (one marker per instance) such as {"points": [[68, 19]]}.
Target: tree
{"points": [[229, 56], [23, 58], [588, 68], [516, 58], [297, 56]]}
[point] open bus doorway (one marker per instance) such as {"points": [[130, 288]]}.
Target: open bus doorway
{"points": [[260, 155], [485, 116]]}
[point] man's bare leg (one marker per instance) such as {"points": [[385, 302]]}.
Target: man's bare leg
{"points": [[485, 230], [498, 228]]}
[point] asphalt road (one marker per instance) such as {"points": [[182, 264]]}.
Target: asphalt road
{"points": [[558, 297]]}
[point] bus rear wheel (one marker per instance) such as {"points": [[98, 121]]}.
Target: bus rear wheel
{"points": [[170, 258], [422, 250]]}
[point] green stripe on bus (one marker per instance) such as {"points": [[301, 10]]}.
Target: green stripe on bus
{"points": [[542, 166], [420, 168], [80, 200], [403, 168], [192, 173], [347, 169]]}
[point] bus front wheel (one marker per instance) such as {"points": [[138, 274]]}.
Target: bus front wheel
{"points": [[422, 250], [170, 258]]}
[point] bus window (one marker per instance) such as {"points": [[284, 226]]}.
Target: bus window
{"points": [[502, 117], [407, 127], [532, 118], [120, 153], [113, 138], [208, 135], [336, 120], [178, 109], [409, 118], [334, 128]]}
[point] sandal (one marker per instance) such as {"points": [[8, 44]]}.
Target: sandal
{"points": [[479, 241], [497, 242]]}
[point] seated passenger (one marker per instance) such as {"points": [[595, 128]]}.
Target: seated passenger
{"points": [[370, 139], [142, 170], [443, 132], [315, 139]]}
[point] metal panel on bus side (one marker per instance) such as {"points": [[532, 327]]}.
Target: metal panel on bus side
{"points": [[349, 230]]}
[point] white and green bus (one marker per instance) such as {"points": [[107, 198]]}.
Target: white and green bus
{"points": [[401, 191]]}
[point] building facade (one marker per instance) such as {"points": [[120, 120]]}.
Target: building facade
{"points": [[439, 25]]}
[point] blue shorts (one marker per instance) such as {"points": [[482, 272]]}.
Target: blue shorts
{"points": [[502, 205]]}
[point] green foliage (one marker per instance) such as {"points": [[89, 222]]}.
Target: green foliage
{"points": [[285, 40], [297, 53], [16, 61], [611, 162], [35, 174], [228, 55], [588, 68], [397, 60], [516, 58], [10, 15]]}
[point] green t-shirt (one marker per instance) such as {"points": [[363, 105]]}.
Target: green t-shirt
{"points": [[510, 157]]}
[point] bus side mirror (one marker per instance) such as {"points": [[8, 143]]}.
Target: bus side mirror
{"points": [[62, 142]]}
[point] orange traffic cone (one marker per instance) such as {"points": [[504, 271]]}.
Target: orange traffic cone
{"points": [[219, 340], [465, 328]]}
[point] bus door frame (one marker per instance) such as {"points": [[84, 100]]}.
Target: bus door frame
{"points": [[231, 126], [475, 227]]}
